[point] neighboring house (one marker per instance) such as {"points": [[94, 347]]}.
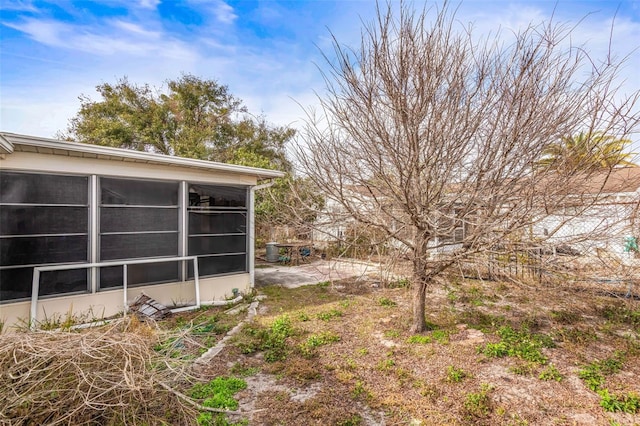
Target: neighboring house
{"points": [[603, 216], [65, 203], [335, 224]]}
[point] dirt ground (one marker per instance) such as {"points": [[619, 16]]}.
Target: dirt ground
{"points": [[349, 358]]}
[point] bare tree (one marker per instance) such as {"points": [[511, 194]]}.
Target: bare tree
{"points": [[433, 135]]}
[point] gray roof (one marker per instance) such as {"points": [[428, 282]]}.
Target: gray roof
{"points": [[11, 142]]}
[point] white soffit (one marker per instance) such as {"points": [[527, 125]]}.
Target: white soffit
{"points": [[10, 142], [6, 147]]}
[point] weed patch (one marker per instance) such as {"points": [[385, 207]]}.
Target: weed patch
{"points": [[386, 364], [594, 375], [455, 375], [241, 370], [330, 314], [271, 340], [620, 314], [219, 392], [564, 317], [521, 344], [400, 283], [308, 347], [386, 302], [575, 335], [478, 404], [210, 326], [550, 373], [360, 391], [484, 322], [626, 403], [440, 336], [301, 369], [392, 334], [354, 420], [523, 368], [303, 316], [420, 339]]}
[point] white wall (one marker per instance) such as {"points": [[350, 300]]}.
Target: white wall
{"points": [[598, 227]]}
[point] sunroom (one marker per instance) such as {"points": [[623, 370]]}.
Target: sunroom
{"points": [[89, 228]]}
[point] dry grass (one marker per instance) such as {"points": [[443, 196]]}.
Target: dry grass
{"points": [[377, 370], [347, 359], [111, 375]]}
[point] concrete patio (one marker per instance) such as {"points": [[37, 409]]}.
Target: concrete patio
{"points": [[312, 273]]}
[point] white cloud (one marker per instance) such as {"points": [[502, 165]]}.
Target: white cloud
{"points": [[224, 12], [135, 29], [219, 9], [19, 5], [42, 31], [114, 37], [149, 4]]}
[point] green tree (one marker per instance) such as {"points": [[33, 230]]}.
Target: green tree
{"points": [[587, 151], [193, 118]]}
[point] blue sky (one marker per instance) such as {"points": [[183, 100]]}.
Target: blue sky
{"points": [[267, 52]]}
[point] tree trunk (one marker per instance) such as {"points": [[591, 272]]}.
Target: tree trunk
{"points": [[419, 298]]}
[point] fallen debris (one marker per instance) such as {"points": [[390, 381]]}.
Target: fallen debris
{"points": [[148, 307]]}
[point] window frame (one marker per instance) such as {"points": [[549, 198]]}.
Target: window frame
{"points": [[99, 234], [218, 210], [87, 233]]}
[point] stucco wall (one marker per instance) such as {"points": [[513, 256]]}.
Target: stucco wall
{"points": [[88, 307]]}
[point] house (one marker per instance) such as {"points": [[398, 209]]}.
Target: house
{"points": [[603, 214], [91, 227]]}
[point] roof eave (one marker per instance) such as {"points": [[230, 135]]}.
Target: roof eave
{"points": [[6, 147], [97, 150]]}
